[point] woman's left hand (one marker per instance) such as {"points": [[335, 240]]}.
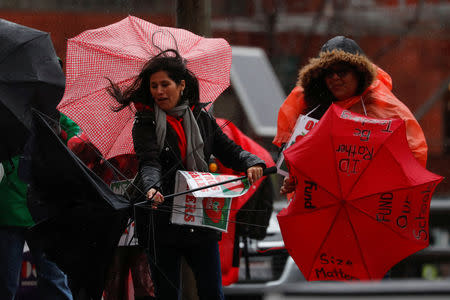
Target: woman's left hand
{"points": [[254, 173]]}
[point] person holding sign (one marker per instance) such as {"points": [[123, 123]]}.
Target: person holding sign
{"points": [[342, 74], [173, 132]]}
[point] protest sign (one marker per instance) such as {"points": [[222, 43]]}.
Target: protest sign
{"points": [[303, 125], [207, 207]]}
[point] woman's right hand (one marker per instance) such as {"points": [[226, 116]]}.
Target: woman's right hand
{"points": [[288, 185], [155, 197]]}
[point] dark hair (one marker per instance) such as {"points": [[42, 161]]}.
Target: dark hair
{"points": [[139, 91], [318, 93]]}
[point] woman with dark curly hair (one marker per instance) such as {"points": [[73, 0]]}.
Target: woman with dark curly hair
{"points": [[173, 132], [342, 74]]}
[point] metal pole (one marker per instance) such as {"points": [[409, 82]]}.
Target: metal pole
{"points": [[247, 260], [195, 16]]}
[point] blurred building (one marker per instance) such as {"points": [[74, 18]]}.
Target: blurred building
{"points": [[410, 39]]}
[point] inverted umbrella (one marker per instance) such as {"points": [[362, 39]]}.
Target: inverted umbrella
{"points": [[118, 52], [85, 218], [362, 200], [30, 76]]}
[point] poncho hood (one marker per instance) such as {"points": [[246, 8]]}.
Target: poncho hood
{"points": [[337, 50]]}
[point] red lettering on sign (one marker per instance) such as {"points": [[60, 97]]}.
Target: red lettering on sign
{"points": [[189, 209]]}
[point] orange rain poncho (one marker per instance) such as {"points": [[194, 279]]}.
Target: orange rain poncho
{"points": [[379, 103]]}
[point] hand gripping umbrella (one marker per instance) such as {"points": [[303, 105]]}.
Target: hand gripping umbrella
{"points": [[118, 52], [266, 172], [362, 200], [85, 217], [30, 76]]}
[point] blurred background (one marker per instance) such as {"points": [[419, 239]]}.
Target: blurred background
{"points": [[410, 39], [272, 39]]}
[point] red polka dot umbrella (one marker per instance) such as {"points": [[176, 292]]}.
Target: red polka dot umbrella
{"points": [[118, 52]]}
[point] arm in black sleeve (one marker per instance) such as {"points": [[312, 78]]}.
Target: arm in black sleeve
{"points": [[231, 154], [146, 148]]}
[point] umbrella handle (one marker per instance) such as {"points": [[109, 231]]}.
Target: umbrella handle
{"points": [[266, 172]]}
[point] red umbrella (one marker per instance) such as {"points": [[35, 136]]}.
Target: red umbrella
{"points": [[118, 52], [230, 273], [362, 200]]}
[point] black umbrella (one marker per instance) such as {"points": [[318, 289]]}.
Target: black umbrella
{"points": [[30, 76], [85, 219]]}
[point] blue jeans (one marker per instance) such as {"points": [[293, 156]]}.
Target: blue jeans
{"points": [[204, 261], [52, 282]]}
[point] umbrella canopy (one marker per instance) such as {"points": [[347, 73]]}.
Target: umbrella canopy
{"points": [[30, 76], [362, 200], [118, 52], [85, 218], [228, 248]]}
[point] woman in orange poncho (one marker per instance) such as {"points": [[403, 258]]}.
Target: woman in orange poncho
{"points": [[343, 75]]}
